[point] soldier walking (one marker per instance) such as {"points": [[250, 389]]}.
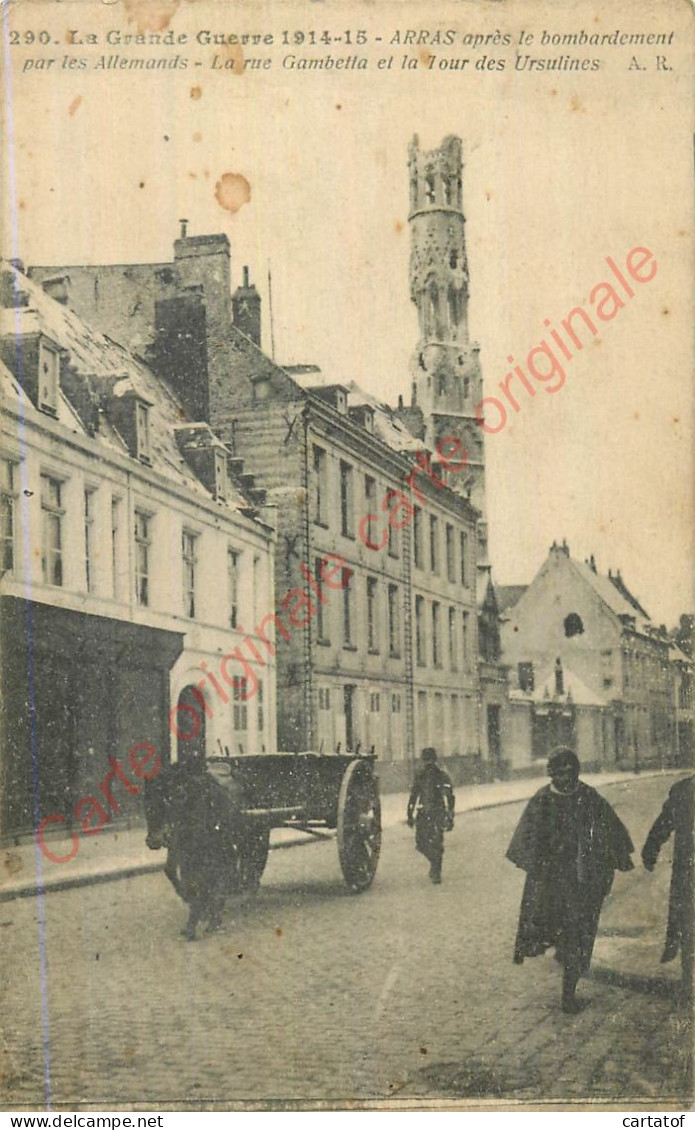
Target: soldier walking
{"points": [[431, 810], [676, 818]]}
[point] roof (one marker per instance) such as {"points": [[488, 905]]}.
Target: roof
{"points": [[610, 595], [109, 369], [387, 426], [508, 595]]}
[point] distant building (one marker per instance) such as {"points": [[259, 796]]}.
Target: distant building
{"points": [[132, 546], [588, 669]]}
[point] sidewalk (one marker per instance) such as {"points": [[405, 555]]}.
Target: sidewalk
{"points": [[25, 871]]}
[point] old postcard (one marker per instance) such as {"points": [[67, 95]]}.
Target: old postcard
{"points": [[346, 512]]}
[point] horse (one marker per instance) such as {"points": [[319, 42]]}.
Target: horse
{"points": [[202, 826]]}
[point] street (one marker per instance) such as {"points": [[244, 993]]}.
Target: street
{"points": [[311, 994]]}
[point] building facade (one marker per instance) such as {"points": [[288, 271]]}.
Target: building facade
{"points": [[129, 549], [589, 670]]}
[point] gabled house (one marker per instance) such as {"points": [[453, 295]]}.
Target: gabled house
{"points": [[588, 669]]}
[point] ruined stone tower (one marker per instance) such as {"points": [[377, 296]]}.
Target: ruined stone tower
{"points": [[447, 382]]}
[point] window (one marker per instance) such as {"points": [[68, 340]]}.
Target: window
{"points": [[434, 544], [52, 515], [7, 516], [115, 546], [233, 586], [89, 505], [452, 639], [346, 500], [239, 707], [417, 537], [372, 614], [142, 558], [422, 717], [142, 432], [436, 637], [322, 631], [188, 547], [394, 622], [347, 607], [370, 507], [429, 189], [375, 702], [449, 189], [464, 558], [260, 716], [455, 721], [319, 459], [465, 622], [395, 704], [420, 631], [393, 543], [450, 563], [49, 371], [324, 698], [573, 625], [526, 678]]}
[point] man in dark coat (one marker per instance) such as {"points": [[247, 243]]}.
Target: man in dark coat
{"points": [[569, 842], [677, 817], [433, 794]]}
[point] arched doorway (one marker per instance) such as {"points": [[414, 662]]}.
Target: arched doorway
{"points": [[190, 725]]}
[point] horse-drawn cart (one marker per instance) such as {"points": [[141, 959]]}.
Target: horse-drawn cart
{"points": [[310, 792], [215, 819]]}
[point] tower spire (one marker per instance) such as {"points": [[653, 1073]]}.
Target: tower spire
{"points": [[445, 365]]}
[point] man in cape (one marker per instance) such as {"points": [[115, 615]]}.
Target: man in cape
{"points": [[677, 817], [569, 842], [433, 795]]}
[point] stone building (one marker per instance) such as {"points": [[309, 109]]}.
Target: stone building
{"points": [[131, 541], [376, 640], [590, 670]]}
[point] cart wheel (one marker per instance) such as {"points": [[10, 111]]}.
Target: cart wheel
{"points": [[253, 849], [359, 825]]}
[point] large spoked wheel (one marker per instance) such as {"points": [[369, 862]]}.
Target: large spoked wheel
{"points": [[253, 847], [359, 825]]}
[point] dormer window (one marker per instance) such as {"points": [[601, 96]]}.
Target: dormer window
{"points": [[221, 478], [49, 383], [142, 432]]}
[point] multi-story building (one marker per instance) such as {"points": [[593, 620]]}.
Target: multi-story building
{"points": [[590, 669], [376, 639], [131, 552]]}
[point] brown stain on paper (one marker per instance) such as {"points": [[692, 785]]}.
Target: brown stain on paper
{"points": [[196, 93], [232, 191], [150, 15], [74, 105]]}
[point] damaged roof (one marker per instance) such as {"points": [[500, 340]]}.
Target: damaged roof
{"points": [[105, 370]]}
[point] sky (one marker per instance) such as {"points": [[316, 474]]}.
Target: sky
{"points": [[561, 171]]}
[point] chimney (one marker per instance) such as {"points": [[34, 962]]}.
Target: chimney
{"points": [[400, 402], [184, 228], [592, 563], [565, 547], [246, 309]]}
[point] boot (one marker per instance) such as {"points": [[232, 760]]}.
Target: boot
{"points": [[570, 1004]]}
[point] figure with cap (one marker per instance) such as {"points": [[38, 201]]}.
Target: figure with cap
{"points": [[676, 818], [570, 843], [431, 811]]}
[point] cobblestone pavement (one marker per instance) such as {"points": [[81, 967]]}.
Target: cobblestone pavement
{"points": [[311, 994]]}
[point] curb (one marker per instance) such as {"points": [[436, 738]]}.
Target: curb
{"points": [[33, 890]]}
